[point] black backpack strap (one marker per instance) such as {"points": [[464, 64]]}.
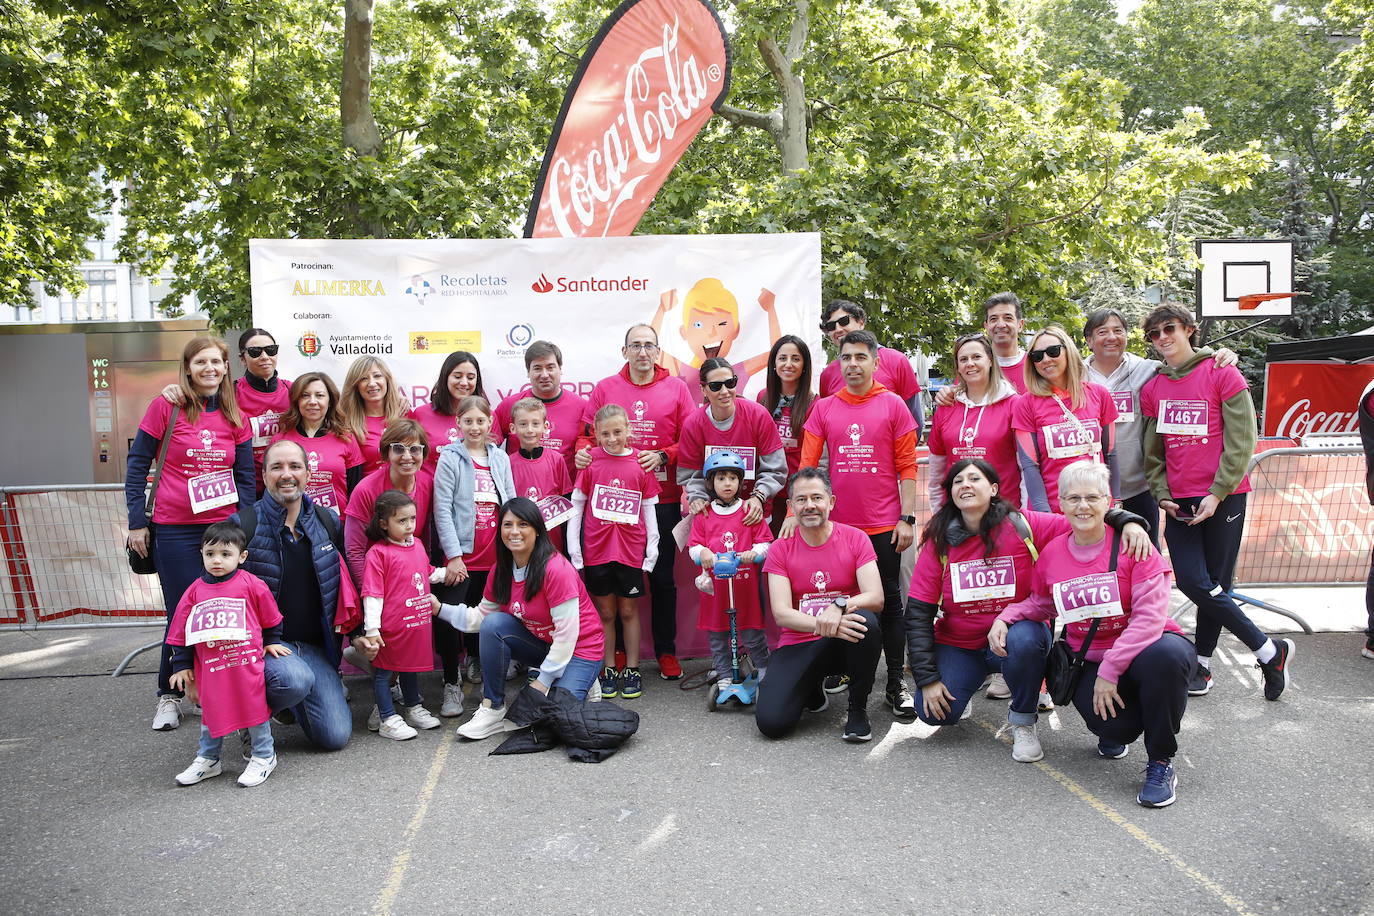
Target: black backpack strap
{"points": [[248, 520], [331, 525]]}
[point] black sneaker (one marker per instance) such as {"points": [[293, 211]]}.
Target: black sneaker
{"points": [[1200, 681], [856, 727], [1276, 669], [900, 699], [835, 683]]}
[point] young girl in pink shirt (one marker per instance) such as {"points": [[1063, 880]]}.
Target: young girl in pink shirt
{"points": [[397, 607]]}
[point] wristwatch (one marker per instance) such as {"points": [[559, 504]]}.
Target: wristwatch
{"points": [[841, 602], [662, 458], [909, 519]]}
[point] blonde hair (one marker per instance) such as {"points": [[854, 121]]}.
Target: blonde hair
{"points": [[473, 402], [228, 402], [1074, 370], [351, 403], [709, 295], [608, 412], [529, 405]]}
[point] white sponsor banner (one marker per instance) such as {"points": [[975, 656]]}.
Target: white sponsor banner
{"points": [[329, 301]]}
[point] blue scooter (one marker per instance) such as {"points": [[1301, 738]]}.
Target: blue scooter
{"points": [[741, 691]]}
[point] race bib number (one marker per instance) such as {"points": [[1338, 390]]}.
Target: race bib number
{"points": [[784, 425], [1183, 418], [616, 504], [1125, 406], [1096, 595], [744, 451], [210, 491], [320, 489], [484, 488], [813, 604], [555, 509], [217, 620], [983, 580], [1071, 440], [264, 428]]}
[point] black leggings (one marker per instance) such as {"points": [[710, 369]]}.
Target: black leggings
{"points": [[450, 642], [795, 673], [893, 626], [1155, 688]]}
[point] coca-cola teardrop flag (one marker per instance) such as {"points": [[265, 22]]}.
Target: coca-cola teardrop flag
{"points": [[652, 77]]}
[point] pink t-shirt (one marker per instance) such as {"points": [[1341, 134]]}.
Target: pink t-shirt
{"points": [[720, 534], [1187, 414], [1015, 373], [440, 429], [959, 431], [791, 444], [378, 482], [486, 500], [752, 434], [328, 457], [262, 411], [228, 671], [612, 529], [400, 577], [894, 373], [372, 459], [657, 411], [197, 484], [564, 416], [819, 574], [974, 586], [544, 480], [561, 583], [862, 442], [1059, 441]]}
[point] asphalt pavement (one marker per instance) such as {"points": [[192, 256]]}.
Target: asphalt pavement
{"points": [[698, 813]]}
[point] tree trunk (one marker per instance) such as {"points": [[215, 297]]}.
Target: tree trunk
{"points": [[787, 123], [360, 132]]}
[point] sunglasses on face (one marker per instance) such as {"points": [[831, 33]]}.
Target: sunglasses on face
{"points": [[730, 383], [1163, 330], [255, 352], [415, 451], [841, 322], [1053, 352]]}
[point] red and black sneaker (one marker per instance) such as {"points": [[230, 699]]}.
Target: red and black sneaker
{"points": [[1276, 669], [669, 668]]}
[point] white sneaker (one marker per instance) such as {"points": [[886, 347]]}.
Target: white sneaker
{"points": [[453, 701], [201, 769], [997, 688], [396, 729], [374, 720], [968, 711], [1025, 744], [1046, 703], [357, 660], [594, 691], [193, 709], [419, 717], [485, 722], [257, 771], [168, 715]]}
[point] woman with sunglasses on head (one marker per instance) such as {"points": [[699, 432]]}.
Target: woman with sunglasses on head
{"points": [[404, 444], [979, 422], [459, 377], [333, 459], [731, 424], [371, 402], [787, 397], [1199, 438], [1061, 418]]}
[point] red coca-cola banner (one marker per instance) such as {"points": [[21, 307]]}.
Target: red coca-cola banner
{"points": [[652, 77], [1305, 398]]}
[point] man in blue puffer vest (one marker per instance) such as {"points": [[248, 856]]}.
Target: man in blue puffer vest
{"points": [[294, 548]]}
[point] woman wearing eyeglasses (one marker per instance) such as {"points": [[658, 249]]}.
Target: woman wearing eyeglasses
{"points": [[404, 445], [1061, 418], [1199, 438], [371, 402], [979, 422], [731, 424]]}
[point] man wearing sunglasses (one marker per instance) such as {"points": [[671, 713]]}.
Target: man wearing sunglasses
{"points": [[894, 370], [658, 403], [871, 439]]}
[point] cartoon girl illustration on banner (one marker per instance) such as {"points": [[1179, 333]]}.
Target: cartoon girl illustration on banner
{"points": [[711, 324]]}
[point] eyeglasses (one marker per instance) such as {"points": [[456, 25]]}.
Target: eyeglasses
{"points": [[1092, 500], [730, 383], [642, 347], [1163, 330], [1053, 352], [969, 338], [841, 322], [255, 352], [399, 450]]}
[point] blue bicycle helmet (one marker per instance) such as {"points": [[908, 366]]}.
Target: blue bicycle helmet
{"points": [[723, 461]]}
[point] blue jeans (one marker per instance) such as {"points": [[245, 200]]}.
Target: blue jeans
{"points": [[308, 685], [1028, 646], [962, 671], [504, 637], [1204, 560], [176, 551], [381, 689], [260, 735]]}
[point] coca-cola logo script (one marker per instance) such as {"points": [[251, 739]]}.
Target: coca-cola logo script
{"points": [[1312, 398], [653, 76]]}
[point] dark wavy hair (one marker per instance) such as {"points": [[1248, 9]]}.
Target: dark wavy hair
{"points": [[439, 396], [936, 530], [504, 572], [388, 504], [772, 391]]}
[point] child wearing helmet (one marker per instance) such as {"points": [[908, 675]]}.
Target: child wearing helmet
{"points": [[717, 532]]}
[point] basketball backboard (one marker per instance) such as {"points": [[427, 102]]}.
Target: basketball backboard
{"points": [[1233, 268]]}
